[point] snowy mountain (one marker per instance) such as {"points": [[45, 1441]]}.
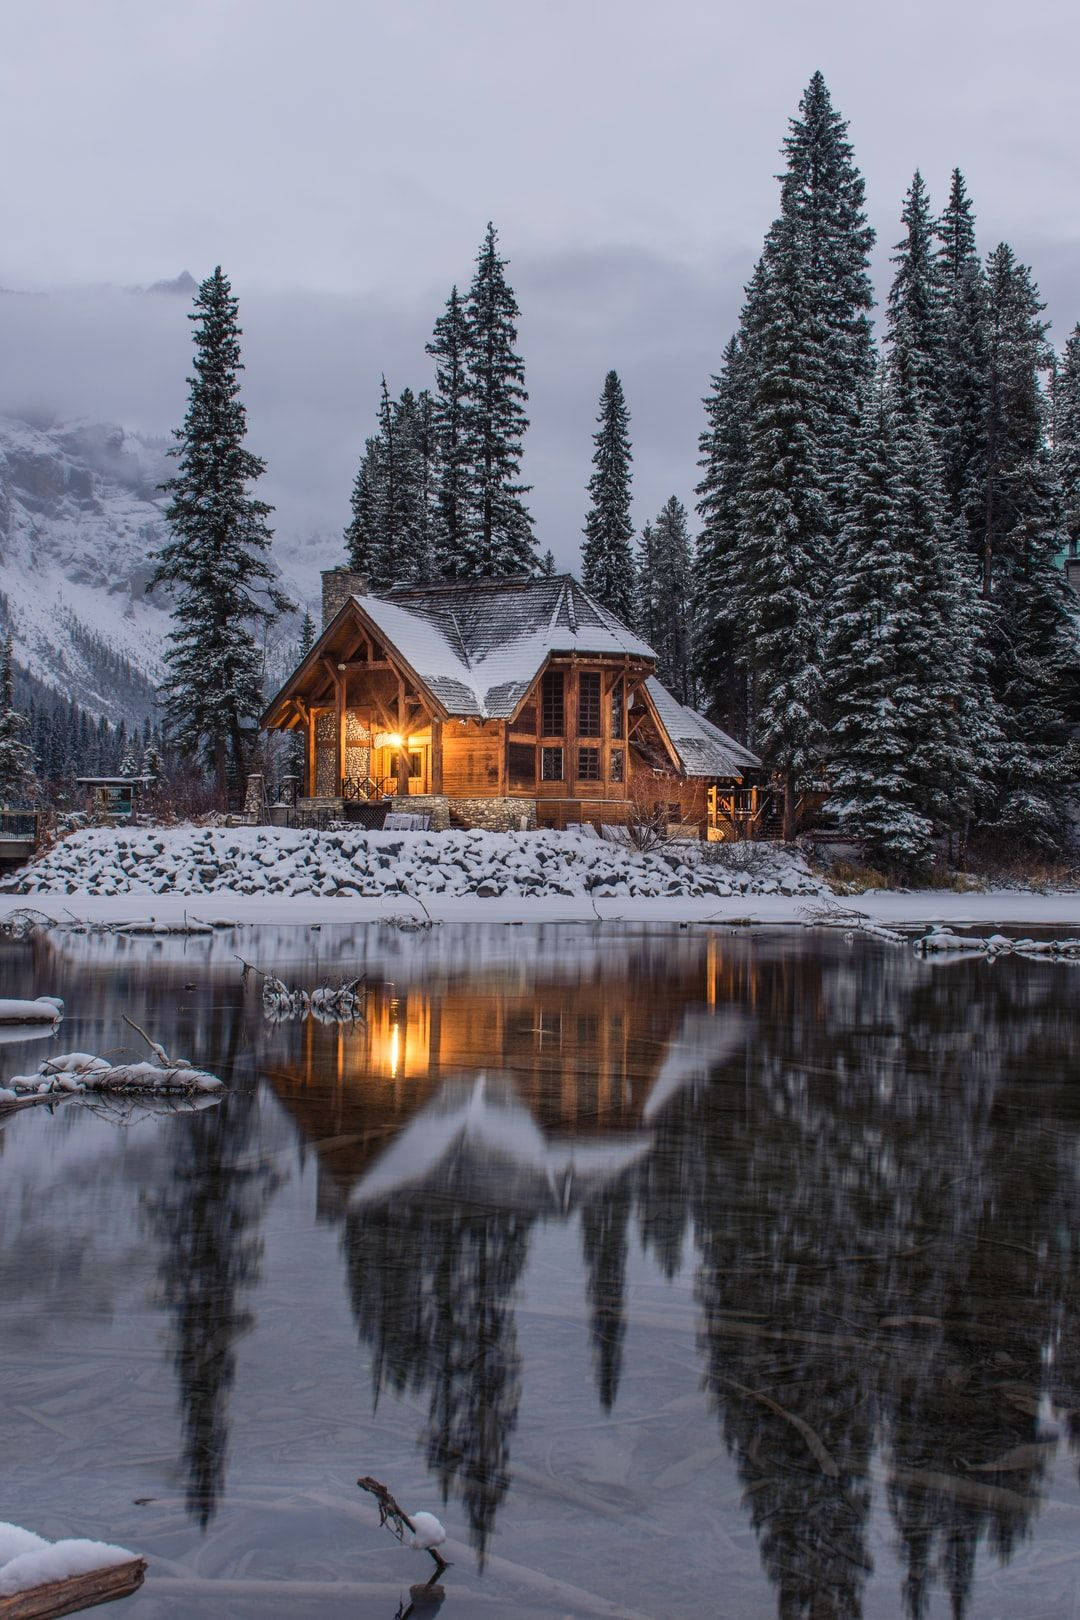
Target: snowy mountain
{"points": [[80, 516]]}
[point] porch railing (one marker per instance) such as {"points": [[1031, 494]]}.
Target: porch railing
{"points": [[368, 787]]}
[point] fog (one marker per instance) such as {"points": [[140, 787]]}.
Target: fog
{"points": [[341, 160]]}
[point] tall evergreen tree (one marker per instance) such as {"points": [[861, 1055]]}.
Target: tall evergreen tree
{"points": [[645, 617], [720, 588], [1032, 636], [784, 532], [956, 233], [389, 536], [498, 538], [667, 597], [17, 764], [822, 199], [1067, 441], [607, 558], [216, 558], [915, 307], [449, 347], [871, 679]]}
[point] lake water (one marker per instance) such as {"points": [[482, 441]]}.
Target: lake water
{"points": [[682, 1272]]}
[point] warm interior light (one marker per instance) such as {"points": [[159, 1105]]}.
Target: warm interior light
{"points": [[394, 740], [395, 1050]]}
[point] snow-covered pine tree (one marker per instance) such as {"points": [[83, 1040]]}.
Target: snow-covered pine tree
{"points": [[547, 563], [962, 390], [362, 534], [667, 590], [956, 232], [449, 346], [1067, 441], [607, 557], [389, 536], [916, 311], [720, 586], [822, 197], [17, 764], [645, 614], [216, 557], [129, 764], [949, 715], [785, 526], [871, 682], [498, 539], [151, 760], [1032, 634]]}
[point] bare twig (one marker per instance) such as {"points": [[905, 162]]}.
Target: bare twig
{"points": [[391, 1513]]}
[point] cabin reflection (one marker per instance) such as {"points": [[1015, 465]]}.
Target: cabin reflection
{"points": [[582, 1055]]}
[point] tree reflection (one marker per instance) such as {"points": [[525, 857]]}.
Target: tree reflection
{"points": [[207, 1220], [880, 1221]]}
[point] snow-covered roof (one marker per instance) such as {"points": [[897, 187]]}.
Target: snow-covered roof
{"points": [[480, 647], [703, 749]]}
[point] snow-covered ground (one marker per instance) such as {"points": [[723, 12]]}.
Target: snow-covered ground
{"points": [[268, 876]]}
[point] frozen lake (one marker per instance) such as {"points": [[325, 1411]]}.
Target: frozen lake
{"points": [[682, 1272]]}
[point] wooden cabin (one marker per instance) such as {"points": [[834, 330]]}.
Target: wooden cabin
{"points": [[502, 703]]}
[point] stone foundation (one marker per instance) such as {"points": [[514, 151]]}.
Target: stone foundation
{"points": [[497, 815], [435, 805]]}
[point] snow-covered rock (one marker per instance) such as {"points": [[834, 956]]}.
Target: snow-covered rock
{"points": [[277, 861]]}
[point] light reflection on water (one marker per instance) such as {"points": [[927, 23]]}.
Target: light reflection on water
{"points": [[697, 1272]]}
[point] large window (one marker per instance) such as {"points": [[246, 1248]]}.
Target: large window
{"points": [[588, 707], [552, 708], [522, 764], [551, 764], [588, 764]]}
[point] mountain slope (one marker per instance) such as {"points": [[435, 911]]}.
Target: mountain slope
{"points": [[80, 518]]}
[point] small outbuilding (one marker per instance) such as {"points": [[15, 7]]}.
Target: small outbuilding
{"points": [[116, 797]]}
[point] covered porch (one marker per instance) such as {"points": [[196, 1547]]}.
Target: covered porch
{"points": [[371, 729]]}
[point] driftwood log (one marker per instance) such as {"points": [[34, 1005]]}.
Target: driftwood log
{"points": [[78, 1592], [395, 1516]]}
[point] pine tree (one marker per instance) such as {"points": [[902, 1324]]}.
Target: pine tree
{"points": [[547, 563], [607, 558], [129, 764], [784, 534], [295, 763], [822, 198], [720, 589], [498, 538], [1066, 445], [646, 618], [1031, 632], [667, 592], [915, 307], [17, 764], [216, 558], [449, 347], [956, 233], [389, 536], [151, 760]]}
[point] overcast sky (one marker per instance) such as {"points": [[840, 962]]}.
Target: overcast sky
{"points": [[340, 158]]}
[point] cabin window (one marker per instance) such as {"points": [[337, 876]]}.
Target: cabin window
{"points": [[522, 764], [552, 708], [589, 703], [617, 713], [617, 765], [416, 765], [526, 720], [551, 765], [588, 764]]}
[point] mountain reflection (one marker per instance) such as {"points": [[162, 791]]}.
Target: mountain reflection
{"points": [[850, 1150]]}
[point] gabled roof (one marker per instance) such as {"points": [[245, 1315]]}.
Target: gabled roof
{"points": [[479, 647], [703, 749]]}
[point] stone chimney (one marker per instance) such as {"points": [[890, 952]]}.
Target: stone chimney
{"points": [[338, 584]]}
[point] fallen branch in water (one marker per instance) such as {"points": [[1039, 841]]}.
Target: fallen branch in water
{"points": [[330, 1004], [427, 1534]]}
